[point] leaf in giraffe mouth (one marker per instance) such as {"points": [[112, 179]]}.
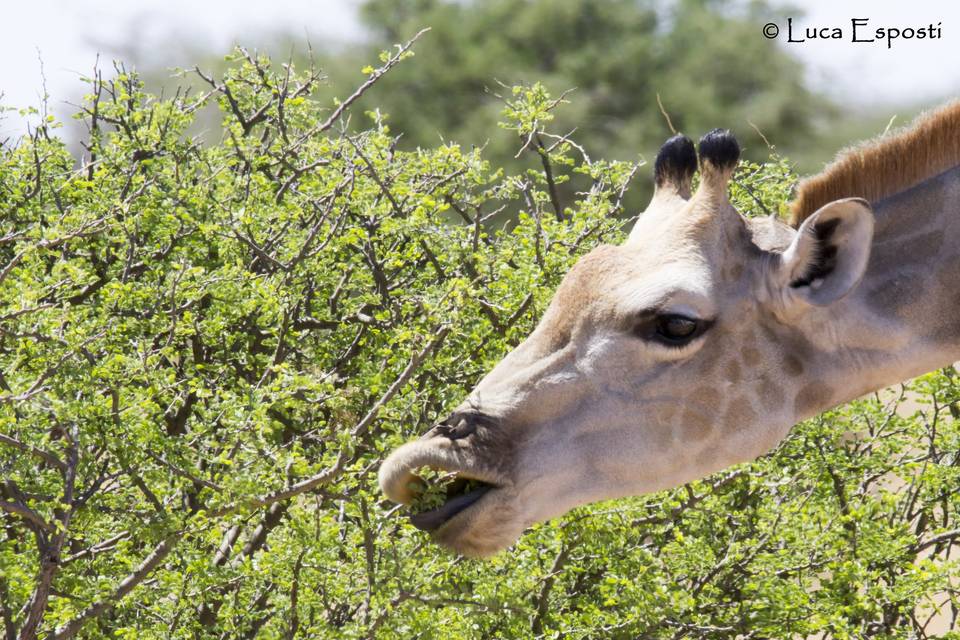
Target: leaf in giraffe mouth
{"points": [[440, 495]]}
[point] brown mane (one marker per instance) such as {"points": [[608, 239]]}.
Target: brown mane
{"points": [[886, 165]]}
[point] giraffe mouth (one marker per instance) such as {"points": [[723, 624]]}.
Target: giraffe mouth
{"points": [[437, 482], [461, 494]]}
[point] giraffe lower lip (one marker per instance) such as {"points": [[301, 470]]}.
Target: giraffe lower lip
{"points": [[435, 518]]}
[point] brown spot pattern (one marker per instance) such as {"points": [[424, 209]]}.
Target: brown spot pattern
{"points": [[812, 398], [708, 362], [771, 395], [792, 365], [733, 371], [706, 395], [696, 426], [739, 413]]}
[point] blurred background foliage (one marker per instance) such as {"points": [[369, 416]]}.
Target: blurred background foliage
{"points": [[626, 62], [698, 57]]}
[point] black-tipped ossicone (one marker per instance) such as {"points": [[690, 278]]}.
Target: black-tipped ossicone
{"points": [[719, 148], [676, 161]]}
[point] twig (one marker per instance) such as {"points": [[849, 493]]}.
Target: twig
{"points": [[551, 184], [666, 115], [760, 133], [401, 380], [543, 598], [389, 64], [26, 513]]}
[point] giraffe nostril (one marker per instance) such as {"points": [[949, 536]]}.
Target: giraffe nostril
{"points": [[462, 428], [459, 425]]}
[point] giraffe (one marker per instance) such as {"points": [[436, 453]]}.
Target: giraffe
{"points": [[703, 338]]}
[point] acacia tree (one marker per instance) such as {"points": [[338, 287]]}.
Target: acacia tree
{"points": [[206, 350]]}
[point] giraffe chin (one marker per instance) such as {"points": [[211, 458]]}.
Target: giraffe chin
{"points": [[491, 523]]}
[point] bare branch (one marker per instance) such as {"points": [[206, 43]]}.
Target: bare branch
{"points": [[101, 547], [941, 538], [543, 597], [26, 513], [46, 456], [551, 184]]}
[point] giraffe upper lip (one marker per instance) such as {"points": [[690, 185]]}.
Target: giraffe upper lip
{"points": [[398, 470]]}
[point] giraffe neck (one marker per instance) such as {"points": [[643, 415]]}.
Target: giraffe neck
{"points": [[903, 319]]}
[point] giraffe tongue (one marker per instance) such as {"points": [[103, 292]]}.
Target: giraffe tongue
{"points": [[434, 519]]}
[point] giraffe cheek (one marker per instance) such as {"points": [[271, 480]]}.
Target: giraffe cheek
{"points": [[751, 357], [771, 395], [739, 414], [696, 427], [733, 371], [706, 396]]}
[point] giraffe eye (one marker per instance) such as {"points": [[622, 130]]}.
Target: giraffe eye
{"points": [[670, 329], [676, 328]]}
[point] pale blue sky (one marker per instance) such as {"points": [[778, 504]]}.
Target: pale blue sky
{"points": [[69, 33]]}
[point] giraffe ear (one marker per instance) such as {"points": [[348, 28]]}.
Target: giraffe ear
{"points": [[829, 254]]}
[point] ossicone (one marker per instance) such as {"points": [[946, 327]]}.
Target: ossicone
{"points": [[719, 150], [675, 164], [719, 153]]}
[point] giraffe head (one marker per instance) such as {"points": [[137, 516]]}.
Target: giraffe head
{"points": [[692, 346]]}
